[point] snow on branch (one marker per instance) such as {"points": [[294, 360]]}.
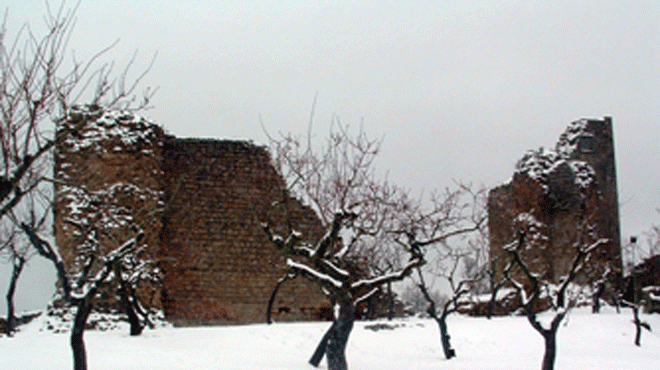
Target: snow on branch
{"points": [[593, 246], [312, 274], [288, 247], [110, 260], [335, 269], [366, 296]]}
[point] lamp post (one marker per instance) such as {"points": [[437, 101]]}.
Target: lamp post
{"points": [[633, 245], [638, 324]]}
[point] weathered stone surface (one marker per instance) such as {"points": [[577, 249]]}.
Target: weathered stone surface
{"points": [[204, 227], [562, 189], [220, 266]]}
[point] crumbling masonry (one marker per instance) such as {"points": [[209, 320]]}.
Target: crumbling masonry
{"points": [[200, 203], [571, 192]]}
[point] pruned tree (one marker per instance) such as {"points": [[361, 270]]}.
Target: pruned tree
{"points": [[17, 248], [100, 219], [460, 285], [80, 289], [38, 86], [356, 211], [635, 285], [534, 290], [638, 291], [461, 267], [17, 256], [496, 284], [35, 92], [104, 268]]}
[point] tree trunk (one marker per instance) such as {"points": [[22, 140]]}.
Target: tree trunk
{"points": [[128, 305], [77, 341], [638, 326], [444, 337], [550, 337], [336, 348], [491, 303], [133, 318], [390, 296], [271, 300], [595, 305], [598, 293], [320, 348], [371, 308], [19, 263]]}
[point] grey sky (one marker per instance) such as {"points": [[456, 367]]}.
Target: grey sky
{"points": [[460, 90]]}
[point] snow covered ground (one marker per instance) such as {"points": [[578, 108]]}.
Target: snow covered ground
{"points": [[586, 341]]}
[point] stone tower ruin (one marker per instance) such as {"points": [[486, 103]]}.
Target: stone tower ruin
{"points": [[571, 192], [201, 203]]}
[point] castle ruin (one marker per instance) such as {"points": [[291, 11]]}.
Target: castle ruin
{"points": [[571, 194], [200, 202]]}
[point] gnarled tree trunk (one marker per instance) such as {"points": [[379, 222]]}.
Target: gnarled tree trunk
{"points": [[333, 343], [320, 348], [338, 336], [77, 341], [16, 271], [444, 337], [550, 338], [444, 332], [128, 305], [638, 326]]}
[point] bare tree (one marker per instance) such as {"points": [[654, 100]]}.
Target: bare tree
{"points": [[38, 88], [17, 255], [637, 283], [653, 239], [81, 289], [533, 289], [35, 92], [17, 248], [460, 285], [461, 267], [101, 218], [356, 212], [103, 265]]}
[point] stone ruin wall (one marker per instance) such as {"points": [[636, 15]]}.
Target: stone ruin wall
{"points": [[205, 226], [561, 208], [113, 148], [220, 266]]}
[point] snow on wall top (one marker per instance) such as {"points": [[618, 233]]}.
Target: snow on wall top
{"points": [[568, 141], [109, 130], [537, 164], [540, 164]]}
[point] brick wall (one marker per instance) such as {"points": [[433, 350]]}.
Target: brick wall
{"points": [[220, 265], [203, 225], [108, 180]]}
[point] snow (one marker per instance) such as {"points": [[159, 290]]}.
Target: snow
{"points": [[540, 164], [567, 143], [584, 173], [318, 275], [537, 163], [528, 219], [585, 341], [123, 128]]}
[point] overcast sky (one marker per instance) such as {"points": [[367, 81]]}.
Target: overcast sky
{"points": [[459, 90]]}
